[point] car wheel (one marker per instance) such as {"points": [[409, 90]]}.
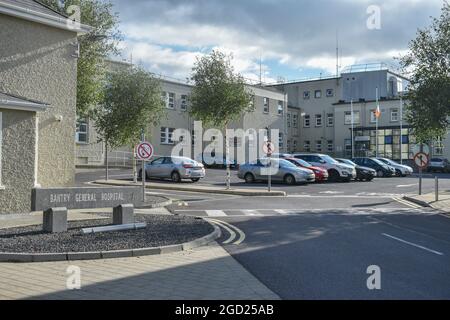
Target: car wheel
{"points": [[380, 173], [333, 176], [289, 179], [175, 176], [195, 180], [249, 178], [398, 173]]}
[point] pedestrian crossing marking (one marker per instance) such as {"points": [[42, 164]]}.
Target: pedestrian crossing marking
{"points": [[215, 213]]}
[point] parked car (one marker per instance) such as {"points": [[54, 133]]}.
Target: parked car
{"points": [[382, 169], [282, 155], [174, 168], [284, 171], [400, 169], [439, 164], [321, 174], [362, 173], [215, 160], [336, 171]]}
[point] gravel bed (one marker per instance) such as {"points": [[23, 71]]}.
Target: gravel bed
{"points": [[161, 230]]}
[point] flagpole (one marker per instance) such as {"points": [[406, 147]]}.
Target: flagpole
{"points": [[353, 127], [376, 129], [401, 129]]}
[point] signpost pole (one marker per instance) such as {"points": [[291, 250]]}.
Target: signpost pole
{"points": [[269, 186], [420, 172]]}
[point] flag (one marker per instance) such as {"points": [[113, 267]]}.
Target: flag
{"points": [[377, 112]]}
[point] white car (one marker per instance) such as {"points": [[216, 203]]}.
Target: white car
{"points": [[400, 169], [336, 170]]}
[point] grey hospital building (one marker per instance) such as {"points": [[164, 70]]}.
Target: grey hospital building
{"points": [[312, 115]]}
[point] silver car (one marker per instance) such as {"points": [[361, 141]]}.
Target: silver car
{"points": [[280, 170], [400, 169], [174, 168]]}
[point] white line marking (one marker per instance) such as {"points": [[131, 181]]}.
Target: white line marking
{"points": [[252, 213], [413, 244], [407, 203], [239, 231], [215, 213], [407, 185], [230, 231]]}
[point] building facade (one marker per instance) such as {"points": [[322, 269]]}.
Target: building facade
{"points": [[38, 76]]}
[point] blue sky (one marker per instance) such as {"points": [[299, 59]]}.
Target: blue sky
{"points": [[295, 39]]}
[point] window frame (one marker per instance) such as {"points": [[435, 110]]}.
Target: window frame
{"points": [[306, 95], [319, 145], [330, 145], [184, 102], [316, 118], [307, 145], [330, 116], [318, 94], [307, 117], [397, 112], [266, 105], [169, 98], [280, 109], [356, 120], [168, 136], [330, 93], [82, 122]]}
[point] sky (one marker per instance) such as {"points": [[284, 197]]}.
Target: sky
{"points": [[289, 39]]}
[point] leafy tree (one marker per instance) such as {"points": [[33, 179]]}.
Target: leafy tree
{"points": [[219, 95], [132, 102], [95, 47], [428, 109]]}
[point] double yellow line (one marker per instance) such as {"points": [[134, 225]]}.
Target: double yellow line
{"points": [[232, 230], [408, 203]]}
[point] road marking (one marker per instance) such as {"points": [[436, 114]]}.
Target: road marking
{"points": [[251, 213], [407, 185], [230, 231], [239, 231], [215, 213], [413, 244], [407, 203]]}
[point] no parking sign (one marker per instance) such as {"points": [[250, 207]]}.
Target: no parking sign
{"points": [[144, 151]]}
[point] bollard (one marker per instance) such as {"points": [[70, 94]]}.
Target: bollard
{"points": [[436, 188], [55, 220], [123, 214]]}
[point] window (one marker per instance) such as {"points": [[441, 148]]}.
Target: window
{"points": [[330, 146], [318, 120], [306, 95], [184, 102], [171, 101], [281, 140], [289, 145], [330, 93], [295, 145], [348, 117], [294, 121], [280, 108], [319, 145], [288, 120], [373, 118], [330, 120], [307, 121], [307, 146], [82, 131], [394, 115], [166, 135], [266, 105], [438, 147], [318, 94], [1, 140]]}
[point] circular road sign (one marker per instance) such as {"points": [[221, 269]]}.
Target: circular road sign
{"points": [[144, 151], [421, 160], [268, 148], [415, 149]]}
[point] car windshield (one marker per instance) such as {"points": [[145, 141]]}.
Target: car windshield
{"points": [[436, 160], [301, 162], [378, 162], [388, 161], [350, 162], [329, 160]]}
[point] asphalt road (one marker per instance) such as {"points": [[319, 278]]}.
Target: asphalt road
{"points": [[318, 242]]}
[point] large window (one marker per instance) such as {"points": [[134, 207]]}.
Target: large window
{"points": [[388, 143], [184, 102], [266, 105], [280, 108], [318, 120], [438, 147], [307, 121], [1, 141], [169, 99], [166, 135], [348, 117], [82, 131]]}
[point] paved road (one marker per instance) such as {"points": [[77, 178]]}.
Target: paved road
{"points": [[318, 242]]}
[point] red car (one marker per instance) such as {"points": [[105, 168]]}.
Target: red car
{"points": [[321, 174]]}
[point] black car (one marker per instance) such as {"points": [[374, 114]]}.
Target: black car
{"points": [[381, 169], [362, 173]]}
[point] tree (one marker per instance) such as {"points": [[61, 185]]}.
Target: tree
{"points": [[95, 47], [219, 95], [428, 109], [132, 102]]}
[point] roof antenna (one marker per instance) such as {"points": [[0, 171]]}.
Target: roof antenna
{"points": [[337, 56], [260, 69]]}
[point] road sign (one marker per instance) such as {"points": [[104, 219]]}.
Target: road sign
{"points": [[421, 160], [268, 148], [415, 149], [144, 151]]}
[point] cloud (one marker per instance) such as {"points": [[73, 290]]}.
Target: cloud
{"points": [[300, 35]]}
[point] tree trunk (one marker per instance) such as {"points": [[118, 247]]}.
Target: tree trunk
{"points": [[106, 160], [134, 166], [227, 155]]}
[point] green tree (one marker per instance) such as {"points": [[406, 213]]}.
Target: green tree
{"points": [[219, 95], [428, 61], [132, 103], [95, 47]]}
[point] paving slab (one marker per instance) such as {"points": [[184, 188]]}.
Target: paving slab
{"points": [[429, 200]]}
